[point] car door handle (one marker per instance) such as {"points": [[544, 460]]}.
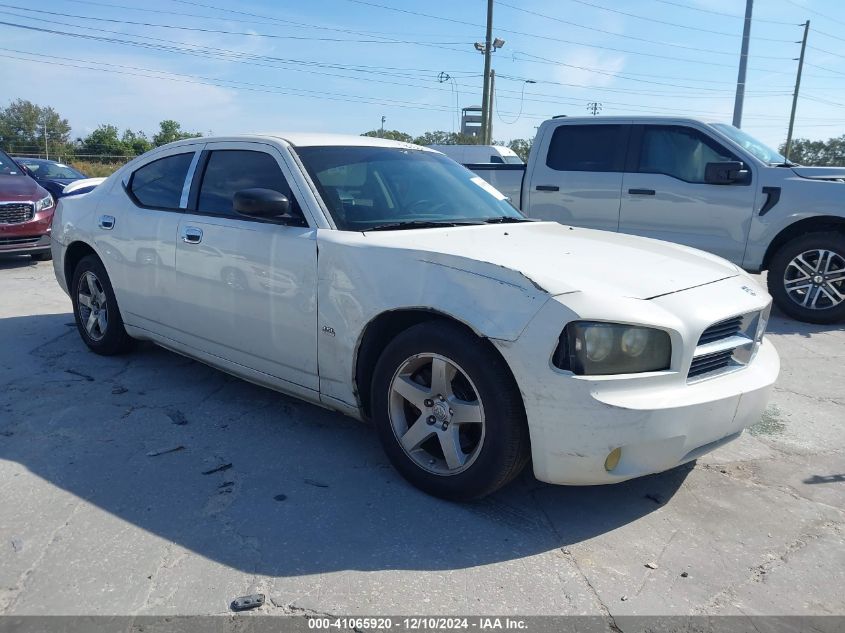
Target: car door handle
{"points": [[191, 235], [641, 192], [548, 188], [106, 222]]}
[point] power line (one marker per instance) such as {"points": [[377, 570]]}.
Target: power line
{"points": [[722, 13], [819, 13], [674, 24], [240, 85], [220, 31], [622, 35]]}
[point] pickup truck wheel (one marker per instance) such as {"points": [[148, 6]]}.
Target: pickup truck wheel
{"points": [[448, 412], [95, 309], [807, 277]]}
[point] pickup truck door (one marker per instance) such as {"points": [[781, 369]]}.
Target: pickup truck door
{"points": [[664, 195], [247, 287], [575, 177]]}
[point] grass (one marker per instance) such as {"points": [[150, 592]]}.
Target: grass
{"points": [[95, 170]]}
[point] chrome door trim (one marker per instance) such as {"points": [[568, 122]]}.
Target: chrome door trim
{"points": [[189, 178]]}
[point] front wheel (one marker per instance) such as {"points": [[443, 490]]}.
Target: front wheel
{"points": [[807, 277], [95, 309], [448, 412]]}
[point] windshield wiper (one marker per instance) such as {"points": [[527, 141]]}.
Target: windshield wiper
{"points": [[785, 164], [418, 224], [506, 219]]}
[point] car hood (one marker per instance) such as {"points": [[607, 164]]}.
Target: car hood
{"points": [[821, 173], [20, 189], [559, 259]]}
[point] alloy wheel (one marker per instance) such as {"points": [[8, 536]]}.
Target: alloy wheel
{"points": [[815, 279], [436, 414], [93, 306]]}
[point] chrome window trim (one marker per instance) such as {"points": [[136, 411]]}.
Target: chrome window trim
{"points": [[189, 179]]}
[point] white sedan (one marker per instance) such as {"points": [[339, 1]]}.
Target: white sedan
{"points": [[385, 281]]}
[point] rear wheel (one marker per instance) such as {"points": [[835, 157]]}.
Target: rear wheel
{"points": [[95, 309], [448, 412], [807, 277]]}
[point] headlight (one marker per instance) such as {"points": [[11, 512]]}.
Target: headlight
{"points": [[44, 203], [596, 349]]}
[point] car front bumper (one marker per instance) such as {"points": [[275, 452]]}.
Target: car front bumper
{"points": [[24, 244], [658, 420]]}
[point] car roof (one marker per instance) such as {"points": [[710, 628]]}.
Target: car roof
{"points": [[305, 139]]}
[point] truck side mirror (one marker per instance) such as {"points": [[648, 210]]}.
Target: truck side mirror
{"points": [[725, 173]]}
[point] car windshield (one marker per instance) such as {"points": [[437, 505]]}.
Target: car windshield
{"points": [[751, 144], [50, 169], [8, 166], [368, 188]]}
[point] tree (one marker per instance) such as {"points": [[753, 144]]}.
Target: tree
{"points": [[439, 137], [522, 147], [102, 142], [169, 131], [807, 152], [135, 143], [23, 125], [393, 135]]}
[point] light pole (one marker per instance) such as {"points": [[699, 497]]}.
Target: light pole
{"points": [[383, 119], [487, 49]]}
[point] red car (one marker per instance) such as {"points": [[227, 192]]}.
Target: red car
{"points": [[26, 211]]}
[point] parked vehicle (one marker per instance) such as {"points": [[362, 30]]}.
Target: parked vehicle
{"points": [[479, 154], [385, 281], [53, 176], [82, 186], [709, 186], [26, 211]]}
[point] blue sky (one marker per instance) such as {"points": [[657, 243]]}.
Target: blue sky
{"points": [[340, 65]]}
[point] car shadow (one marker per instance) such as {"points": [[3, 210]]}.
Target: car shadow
{"points": [[779, 323], [10, 262], [258, 481]]}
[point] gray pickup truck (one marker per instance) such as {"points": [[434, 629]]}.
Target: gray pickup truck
{"points": [[706, 185]]}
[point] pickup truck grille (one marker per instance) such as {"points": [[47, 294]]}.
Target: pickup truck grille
{"points": [[725, 346], [16, 212]]}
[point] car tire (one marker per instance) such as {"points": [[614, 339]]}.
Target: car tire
{"points": [[450, 453], [42, 257], [818, 259], [95, 309]]}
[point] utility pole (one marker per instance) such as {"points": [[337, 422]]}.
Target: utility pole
{"points": [[594, 107], [383, 119], [485, 96], [491, 105], [743, 63], [797, 87], [46, 149]]}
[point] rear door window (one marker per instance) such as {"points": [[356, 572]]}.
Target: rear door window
{"points": [[159, 184], [599, 148]]}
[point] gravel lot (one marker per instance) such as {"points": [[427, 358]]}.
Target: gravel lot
{"points": [[268, 494]]}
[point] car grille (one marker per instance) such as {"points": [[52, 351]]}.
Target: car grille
{"points": [[726, 346], [6, 241], [721, 330], [16, 212]]}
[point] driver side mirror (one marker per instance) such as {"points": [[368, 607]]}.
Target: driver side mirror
{"points": [[725, 173], [265, 204]]}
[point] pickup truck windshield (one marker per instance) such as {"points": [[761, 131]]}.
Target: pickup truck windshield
{"points": [[751, 144], [384, 188]]}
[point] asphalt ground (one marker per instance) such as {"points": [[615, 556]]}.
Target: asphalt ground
{"points": [[150, 484]]}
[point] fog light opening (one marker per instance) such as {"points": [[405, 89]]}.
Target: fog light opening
{"points": [[612, 460]]}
